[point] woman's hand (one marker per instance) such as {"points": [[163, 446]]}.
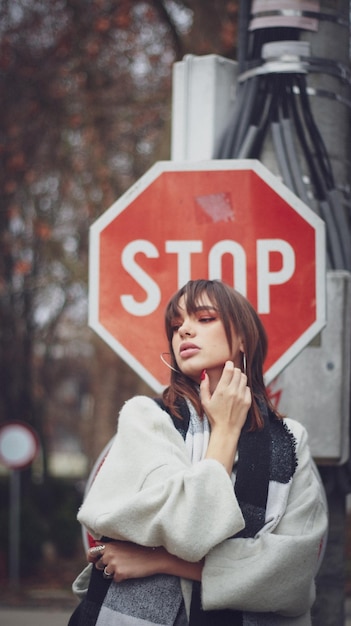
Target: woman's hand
{"points": [[226, 409], [125, 560]]}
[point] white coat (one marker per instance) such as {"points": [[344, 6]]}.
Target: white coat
{"points": [[148, 492]]}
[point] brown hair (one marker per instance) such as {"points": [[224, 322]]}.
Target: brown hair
{"points": [[238, 316]]}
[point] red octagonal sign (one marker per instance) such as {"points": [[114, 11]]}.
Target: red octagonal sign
{"points": [[231, 220]]}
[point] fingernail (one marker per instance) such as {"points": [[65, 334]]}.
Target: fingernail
{"points": [[203, 374]]}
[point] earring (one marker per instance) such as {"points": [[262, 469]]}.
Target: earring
{"points": [[244, 362], [167, 364]]}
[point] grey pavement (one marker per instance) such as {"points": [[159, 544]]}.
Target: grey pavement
{"points": [[55, 617], [33, 617], [44, 608]]}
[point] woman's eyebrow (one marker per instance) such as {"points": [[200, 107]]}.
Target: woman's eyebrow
{"points": [[206, 307]]}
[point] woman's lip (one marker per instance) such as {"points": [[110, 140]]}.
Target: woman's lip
{"points": [[188, 350]]}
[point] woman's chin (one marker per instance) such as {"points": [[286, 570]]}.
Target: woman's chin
{"points": [[194, 375]]}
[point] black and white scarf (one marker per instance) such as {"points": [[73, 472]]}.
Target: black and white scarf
{"points": [[264, 469], [263, 474]]}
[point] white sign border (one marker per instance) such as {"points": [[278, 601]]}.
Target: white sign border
{"points": [[207, 165]]}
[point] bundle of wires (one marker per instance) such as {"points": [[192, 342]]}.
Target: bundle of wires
{"points": [[273, 102]]}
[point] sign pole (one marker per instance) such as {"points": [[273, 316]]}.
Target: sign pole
{"points": [[19, 445], [14, 528]]}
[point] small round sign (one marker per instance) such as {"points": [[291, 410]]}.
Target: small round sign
{"points": [[18, 445]]}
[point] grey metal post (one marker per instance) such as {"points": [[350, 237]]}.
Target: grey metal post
{"points": [[14, 527]]}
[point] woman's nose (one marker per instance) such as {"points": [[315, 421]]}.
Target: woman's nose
{"points": [[185, 330]]}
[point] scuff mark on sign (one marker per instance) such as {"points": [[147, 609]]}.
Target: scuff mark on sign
{"points": [[217, 206]]}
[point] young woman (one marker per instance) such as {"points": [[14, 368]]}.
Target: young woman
{"points": [[208, 508]]}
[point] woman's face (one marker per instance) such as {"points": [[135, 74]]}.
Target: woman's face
{"points": [[199, 341]]}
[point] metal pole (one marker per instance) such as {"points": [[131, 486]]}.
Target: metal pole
{"points": [[329, 96], [329, 609], [14, 529], [332, 42]]}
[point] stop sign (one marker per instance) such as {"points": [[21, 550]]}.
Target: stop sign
{"points": [[231, 220]]}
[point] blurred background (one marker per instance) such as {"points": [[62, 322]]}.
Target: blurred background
{"points": [[85, 101]]}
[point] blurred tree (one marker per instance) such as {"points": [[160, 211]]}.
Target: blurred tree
{"points": [[85, 101]]}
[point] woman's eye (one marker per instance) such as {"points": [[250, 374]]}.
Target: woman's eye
{"points": [[205, 320]]}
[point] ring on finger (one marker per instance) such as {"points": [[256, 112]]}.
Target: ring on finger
{"points": [[97, 549], [107, 574]]}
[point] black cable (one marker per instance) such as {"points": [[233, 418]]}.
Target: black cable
{"points": [[225, 148], [342, 228], [245, 122], [268, 101], [243, 33], [318, 143], [322, 177], [261, 116], [240, 121], [287, 125], [316, 178], [333, 239], [262, 101]]}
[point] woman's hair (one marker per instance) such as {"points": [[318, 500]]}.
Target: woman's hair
{"points": [[238, 316]]}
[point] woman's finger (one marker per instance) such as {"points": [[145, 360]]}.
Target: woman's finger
{"points": [[95, 553]]}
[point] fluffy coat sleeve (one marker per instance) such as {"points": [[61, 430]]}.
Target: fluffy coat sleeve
{"points": [[275, 571], [148, 492]]}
